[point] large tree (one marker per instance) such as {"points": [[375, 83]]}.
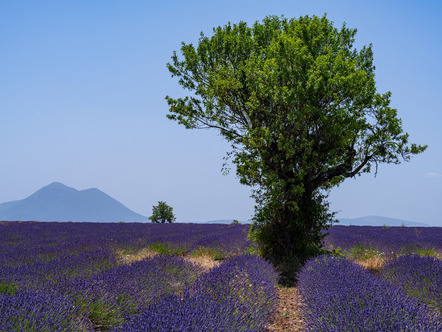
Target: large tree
{"points": [[299, 105]]}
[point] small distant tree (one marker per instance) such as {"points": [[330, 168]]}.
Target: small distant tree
{"points": [[162, 213], [235, 222]]}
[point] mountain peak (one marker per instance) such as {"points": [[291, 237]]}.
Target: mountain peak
{"points": [[58, 202], [56, 185]]}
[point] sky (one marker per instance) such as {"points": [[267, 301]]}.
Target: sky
{"points": [[82, 102]]}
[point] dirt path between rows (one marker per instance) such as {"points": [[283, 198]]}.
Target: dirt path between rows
{"points": [[288, 311]]}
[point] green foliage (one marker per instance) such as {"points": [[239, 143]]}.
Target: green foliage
{"points": [[299, 105], [235, 222], [336, 252], [426, 252], [254, 250], [9, 288], [363, 252], [162, 213], [159, 248], [101, 314], [215, 253], [167, 248], [421, 251]]}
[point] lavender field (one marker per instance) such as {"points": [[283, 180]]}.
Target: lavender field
{"points": [[388, 242], [155, 277], [375, 279], [131, 277]]}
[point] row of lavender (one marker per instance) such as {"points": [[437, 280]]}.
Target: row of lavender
{"points": [[238, 295], [405, 295], [25, 242], [339, 295], [389, 242], [68, 277], [163, 293]]}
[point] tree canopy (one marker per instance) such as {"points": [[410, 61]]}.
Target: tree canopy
{"points": [[299, 105], [162, 213]]}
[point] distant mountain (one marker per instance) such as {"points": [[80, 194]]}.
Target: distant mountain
{"points": [[224, 221], [362, 221], [379, 221], [57, 202]]}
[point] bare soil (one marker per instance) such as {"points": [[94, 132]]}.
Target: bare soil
{"points": [[204, 261], [288, 312]]}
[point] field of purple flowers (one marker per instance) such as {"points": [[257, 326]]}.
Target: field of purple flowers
{"points": [[138, 277], [404, 293], [388, 242], [340, 295], [71, 277]]}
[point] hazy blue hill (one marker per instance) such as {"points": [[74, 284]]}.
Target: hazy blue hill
{"points": [[225, 221], [362, 221], [57, 202], [379, 221], [220, 221]]}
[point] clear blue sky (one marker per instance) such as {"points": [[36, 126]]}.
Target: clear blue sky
{"points": [[82, 87]]}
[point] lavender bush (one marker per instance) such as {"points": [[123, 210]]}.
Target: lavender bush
{"points": [[36, 311], [389, 242], [128, 289], [420, 277], [55, 274], [238, 295], [339, 295]]}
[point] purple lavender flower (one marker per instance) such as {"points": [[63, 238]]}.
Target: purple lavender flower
{"points": [[238, 295], [420, 277], [37, 311], [391, 241], [339, 295]]}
